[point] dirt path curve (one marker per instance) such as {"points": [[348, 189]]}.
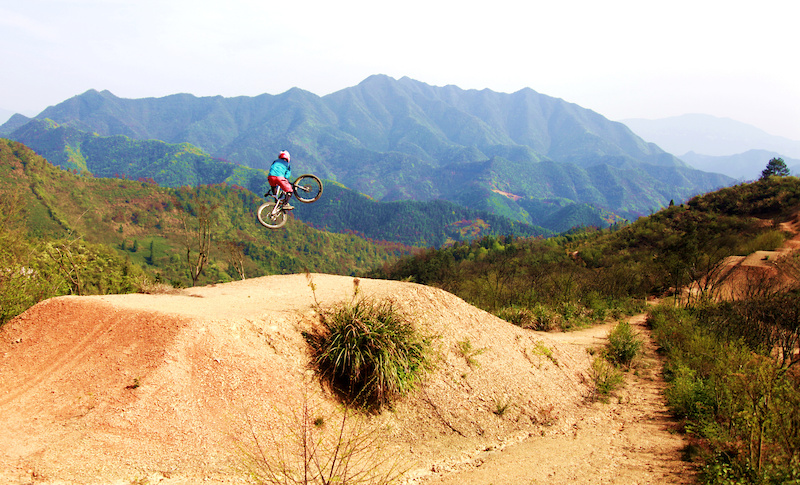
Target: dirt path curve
{"points": [[629, 440]]}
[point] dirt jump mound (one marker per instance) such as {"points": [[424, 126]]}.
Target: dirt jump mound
{"points": [[158, 388]]}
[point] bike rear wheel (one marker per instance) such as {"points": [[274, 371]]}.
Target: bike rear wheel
{"points": [[269, 217], [307, 188]]}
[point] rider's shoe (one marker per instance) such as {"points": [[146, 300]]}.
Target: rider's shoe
{"points": [[287, 207]]}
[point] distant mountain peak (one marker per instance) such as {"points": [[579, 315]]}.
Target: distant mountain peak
{"points": [[709, 135], [16, 121]]}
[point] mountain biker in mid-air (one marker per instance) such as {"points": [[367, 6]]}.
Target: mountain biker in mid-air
{"points": [[278, 176], [307, 188]]}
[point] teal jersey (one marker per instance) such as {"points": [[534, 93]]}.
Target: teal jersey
{"points": [[280, 168]]}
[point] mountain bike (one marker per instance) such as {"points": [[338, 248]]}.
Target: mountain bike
{"points": [[271, 214]]}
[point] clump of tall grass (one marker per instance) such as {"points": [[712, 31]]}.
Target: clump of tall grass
{"points": [[149, 286], [370, 352]]}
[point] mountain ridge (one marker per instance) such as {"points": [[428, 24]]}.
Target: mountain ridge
{"points": [[403, 139]]}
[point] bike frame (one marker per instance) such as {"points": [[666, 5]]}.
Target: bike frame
{"points": [[277, 213]]}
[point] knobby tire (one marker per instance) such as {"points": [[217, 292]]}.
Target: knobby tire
{"points": [[307, 188], [268, 219]]}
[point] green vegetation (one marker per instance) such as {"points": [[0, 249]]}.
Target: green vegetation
{"points": [[739, 400], [370, 352], [623, 344], [606, 378], [775, 166], [34, 269], [502, 404], [607, 369], [469, 352], [732, 365], [432, 223], [526, 156], [69, 234], [168, 165], [534, 283], [543, 350]]}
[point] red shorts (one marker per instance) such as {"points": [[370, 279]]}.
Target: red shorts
{"points": [[280, 182]]}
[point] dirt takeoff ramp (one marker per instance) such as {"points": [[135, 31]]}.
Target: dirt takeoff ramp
{"points": [[154, 388]]}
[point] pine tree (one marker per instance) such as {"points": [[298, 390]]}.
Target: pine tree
{"points": [[775, 166]]}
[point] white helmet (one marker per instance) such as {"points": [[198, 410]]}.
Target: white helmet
{"points": [[284, 155]]}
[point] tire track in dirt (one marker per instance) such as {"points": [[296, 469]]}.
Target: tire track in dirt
{"points": [[76, 351]]}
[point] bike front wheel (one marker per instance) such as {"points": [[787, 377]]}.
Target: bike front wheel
{"points": [[271, 217], [307, 188]]}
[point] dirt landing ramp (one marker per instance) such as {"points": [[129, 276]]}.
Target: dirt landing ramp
{"points": [[115, 389]]}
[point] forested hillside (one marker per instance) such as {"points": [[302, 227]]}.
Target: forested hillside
{"points": [[732, 357], [168, 165], [65, 233], [434, 223], [405, 140], [341, 210], [651, 256]]}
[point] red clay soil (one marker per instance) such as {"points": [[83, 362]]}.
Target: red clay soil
{"points": [[742, 275], [165, 389]]}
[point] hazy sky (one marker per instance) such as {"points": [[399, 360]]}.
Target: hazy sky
{"points": [[624, 59]]}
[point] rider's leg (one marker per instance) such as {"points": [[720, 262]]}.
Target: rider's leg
{"points": [[284, 184], [285, 200], [274, 184]]}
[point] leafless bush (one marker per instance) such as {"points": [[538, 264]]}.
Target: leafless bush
{"points": [[310, 446]]}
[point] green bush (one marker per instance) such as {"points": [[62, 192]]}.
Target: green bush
{"points": [[574, 316], [606, 377], [743, 405], [624, 344], [369, 352], [598, 305], [766, 241], [537, 318], [689, 396]]}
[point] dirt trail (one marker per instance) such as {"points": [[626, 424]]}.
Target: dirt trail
{"points": [[152, 389], [629, 440]]}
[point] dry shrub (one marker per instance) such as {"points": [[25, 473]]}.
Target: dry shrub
{"points": [[309, 446]]}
